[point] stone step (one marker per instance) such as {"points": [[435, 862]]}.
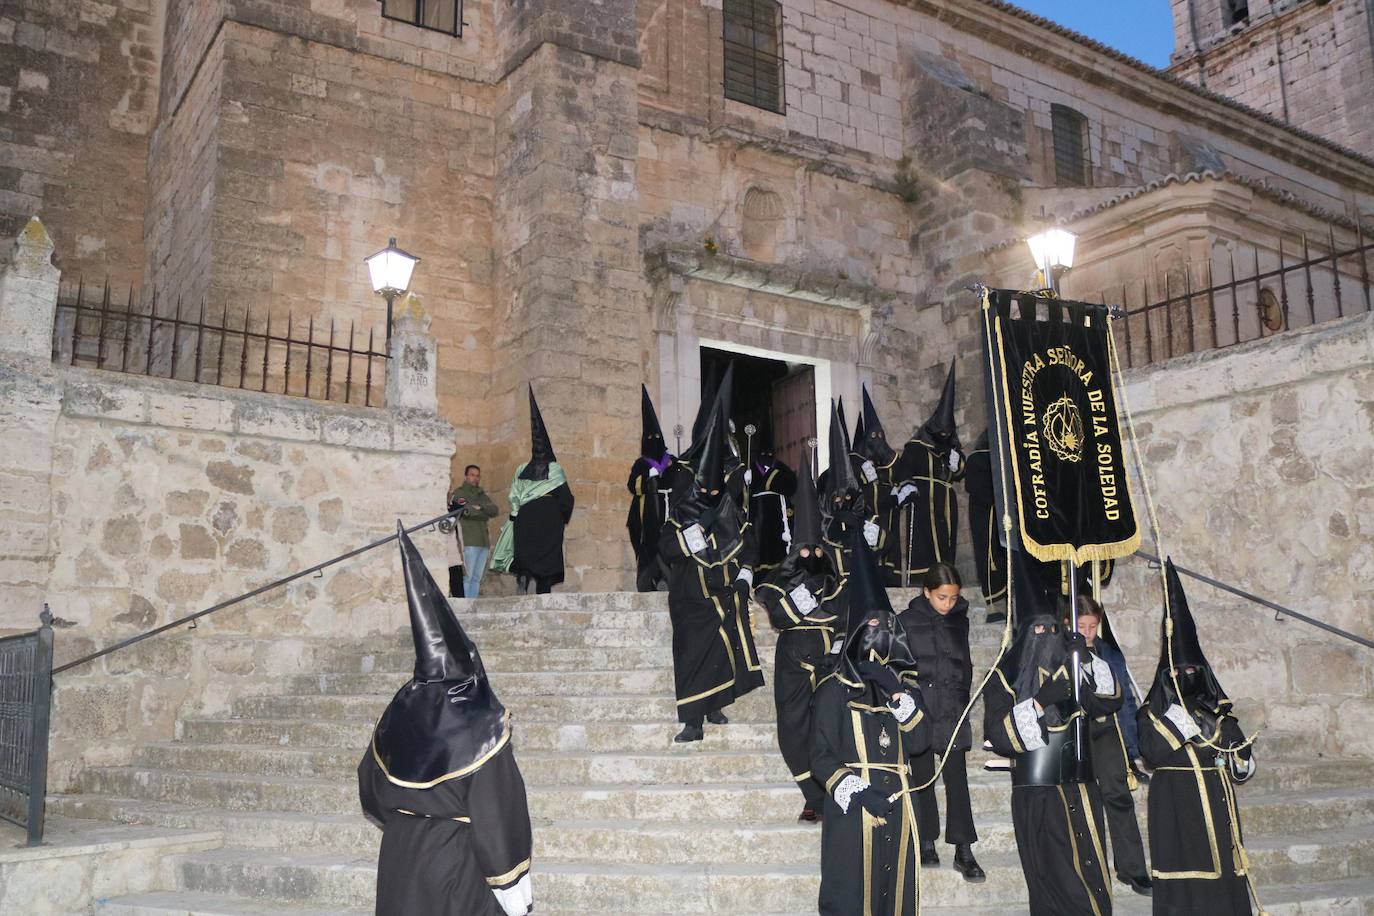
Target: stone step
{"points": [[184, 903], [530, 736], [754, 707]]}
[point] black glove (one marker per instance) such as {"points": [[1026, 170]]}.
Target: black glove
{"points": [[1054, 692], [881, 676], [874, 802], [1232, 736], [742, 589], [1078, 645]]}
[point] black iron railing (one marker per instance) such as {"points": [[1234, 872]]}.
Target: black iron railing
{"points": [[253, 593], [25, 705], [262, 353], [1209, 306], [1280, 612]]}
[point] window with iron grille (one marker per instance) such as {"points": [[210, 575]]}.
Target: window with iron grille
{"points": [[1070, 147], [753, 53], [439, 15], [1234, 12]]}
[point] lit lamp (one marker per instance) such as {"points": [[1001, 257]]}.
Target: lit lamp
{"points": [[390, 270], [1053, 253]]}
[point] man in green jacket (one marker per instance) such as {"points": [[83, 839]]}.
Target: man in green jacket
{"points": [[476, 541]]}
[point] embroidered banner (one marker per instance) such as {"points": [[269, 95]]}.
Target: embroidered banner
{"points": [[1050, 380]]}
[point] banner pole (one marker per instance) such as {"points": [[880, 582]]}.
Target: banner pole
{"points": [[1079, 732]]}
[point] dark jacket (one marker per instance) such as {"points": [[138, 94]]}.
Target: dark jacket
{"points": [[474, 517], [944, 664]]}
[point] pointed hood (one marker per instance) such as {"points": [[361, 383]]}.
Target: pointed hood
{"points": [[1180, 648], [714, 454], [858, 431], [841, 498], [870, 439], [651, 442], [446, 721], [884, 642], [806, 508], [939, 431], [844, 425], [541, 447], [720, 402]]}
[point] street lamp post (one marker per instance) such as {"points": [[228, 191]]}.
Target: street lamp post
{"points": [[390, 271], [1053, 251]]}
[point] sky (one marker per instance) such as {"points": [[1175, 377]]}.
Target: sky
{"points": [[1141, 28]]}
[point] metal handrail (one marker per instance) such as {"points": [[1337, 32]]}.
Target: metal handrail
{"points": [[191, 618], [1280, 610]]}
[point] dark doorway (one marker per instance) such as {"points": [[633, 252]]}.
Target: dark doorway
{"points": [[778, 399]]}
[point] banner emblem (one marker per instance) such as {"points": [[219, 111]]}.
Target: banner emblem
{"points": [[1064, 429]]}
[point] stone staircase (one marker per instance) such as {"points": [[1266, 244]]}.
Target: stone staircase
{"points": [[624, 821]]}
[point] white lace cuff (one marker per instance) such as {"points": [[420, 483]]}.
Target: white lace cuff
{"points": [[850, 786], [746, 574], [1183, 722], [1028, 725], [1104, 683], [905, 707], [516, 900]]}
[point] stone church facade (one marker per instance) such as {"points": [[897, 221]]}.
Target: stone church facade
{"points": [[600, 190]]}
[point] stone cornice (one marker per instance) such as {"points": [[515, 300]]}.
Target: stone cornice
{"points": [[775, 279], [1076, 54]]}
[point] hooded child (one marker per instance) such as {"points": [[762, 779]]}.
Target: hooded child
{"points": [[931, 463], [649, 495]]}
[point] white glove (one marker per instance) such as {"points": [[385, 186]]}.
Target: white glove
{"points": [[748, 476], [653, 472], [904, 493], [516, 900], [955, 459], [871, 533], [903, 706]]}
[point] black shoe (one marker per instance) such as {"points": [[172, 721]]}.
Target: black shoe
{"points": [[808, 816], [690, 733], [997, 616], [716, 717], [929, 857], [1140, 775], [966, 865], [1142, 885]]}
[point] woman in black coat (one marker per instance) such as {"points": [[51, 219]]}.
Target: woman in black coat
{"points": [[936, 623]]}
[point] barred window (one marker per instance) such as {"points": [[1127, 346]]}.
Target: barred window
{"points": [[440, 15], [1234, 12], [1070, 147], [753, 53]]}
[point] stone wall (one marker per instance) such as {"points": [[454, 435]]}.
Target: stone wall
{"points": [[78, 96], [1258, 459], [130, 502], [1308, 63]]}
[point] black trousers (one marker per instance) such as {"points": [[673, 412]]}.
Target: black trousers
{"points": [[1109, 765], [959, 827], [455, 582]]}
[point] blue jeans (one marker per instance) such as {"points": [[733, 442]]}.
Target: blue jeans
{"points": [[475, 562]]}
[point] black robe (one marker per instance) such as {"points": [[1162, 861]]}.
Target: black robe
{"points": [[853, 733], [989, 556], [1060, 829], [648, 510], [1196, 851], [806, 635], [882, 508], [714, 657], [932, 526], [539, 537], [447, 850], [770, 508]]}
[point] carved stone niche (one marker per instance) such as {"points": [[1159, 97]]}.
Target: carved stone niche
{"points": [[762, 218]]}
